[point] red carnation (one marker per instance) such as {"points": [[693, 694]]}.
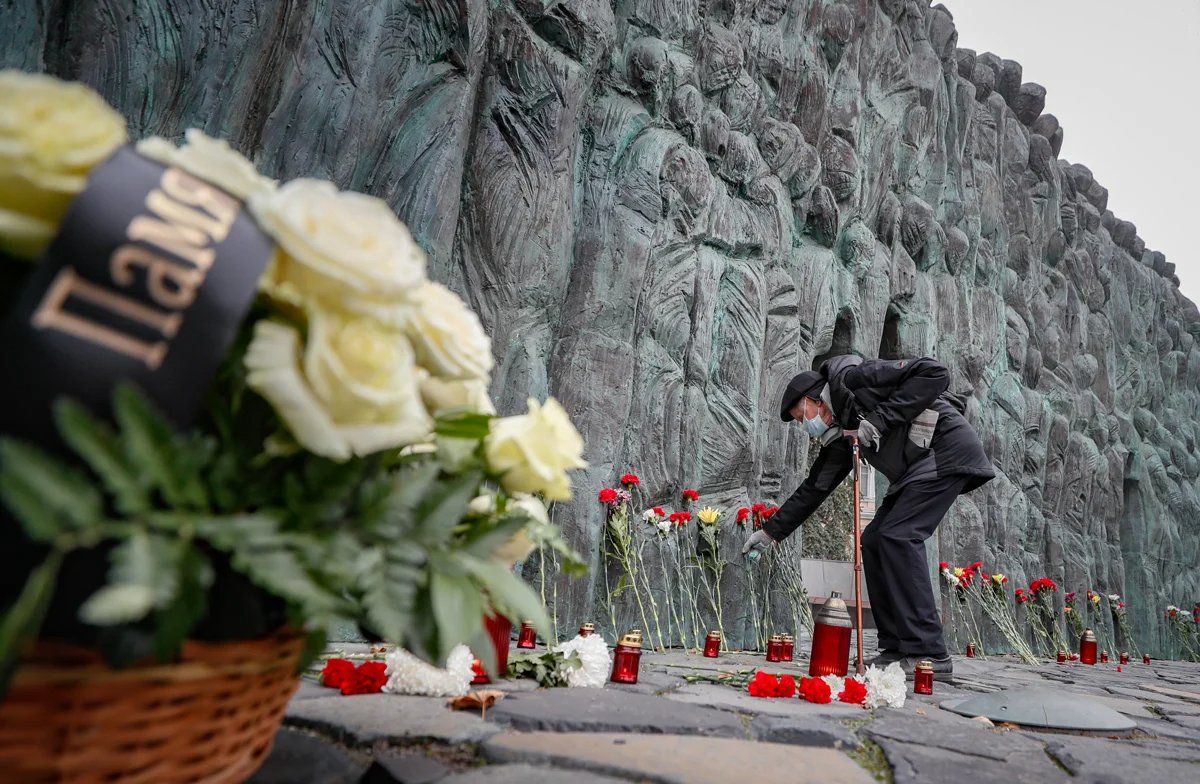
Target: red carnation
{"points": [[658, 510], [608, 495], [684, 518], [768, 513], [757, 508], [691, 495], [369, 678], [815, 690], [630, 479], [763, 685], [1120, 605], [336, 671], [786, 686], [977, 565], [854, 692], [943, 565], [743, 514]]}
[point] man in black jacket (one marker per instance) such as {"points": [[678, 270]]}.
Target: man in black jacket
{"points": [[912, 433]]}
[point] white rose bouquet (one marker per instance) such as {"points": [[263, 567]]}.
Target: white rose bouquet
{"points": [[330, 475]]}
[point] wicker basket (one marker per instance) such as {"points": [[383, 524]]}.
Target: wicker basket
{"points": [[210, 718]]}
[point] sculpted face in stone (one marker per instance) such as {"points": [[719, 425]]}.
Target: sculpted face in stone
{"points": [[688, 186], [823, 217], [648, 64], [721, 59], [857, 247], [839, 167], [957, 246], [1016, 339], [780, 145], [687, 109], [915, 225], [769, 12], [741, 161], [741, 101], [714, 134]]}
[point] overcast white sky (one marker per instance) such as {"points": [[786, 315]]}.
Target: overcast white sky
{"points": [[1123, 79]]}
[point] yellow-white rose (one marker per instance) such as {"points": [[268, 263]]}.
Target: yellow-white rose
{"points": [[352, 390], [52, 134], [338, 249], [534, 451], [447, 335], [442, 395], [212, 160]]}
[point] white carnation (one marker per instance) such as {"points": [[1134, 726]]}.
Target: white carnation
{"points": [[649, 515], [409, 675], [836, 684], [664, 526], [885, 688], [595, 660], [1114, 597]]}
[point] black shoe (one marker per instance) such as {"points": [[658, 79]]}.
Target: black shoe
{"points": [[884, 658], [943, 667]]}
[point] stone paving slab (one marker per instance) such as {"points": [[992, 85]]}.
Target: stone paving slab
{"points": [[300, 757], [609, 710], [365, 719], [674, 759], [521, 773], [1097, 759]]}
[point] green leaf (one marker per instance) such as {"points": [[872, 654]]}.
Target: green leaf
{"points": [[144, 576], [445, 506], [156, 452], [457, 607], [507, 593], [115, 604], [463, 424], [390, 579], [175, 621], [46, 496], [482, 541], [22, 621], [95, 442]]}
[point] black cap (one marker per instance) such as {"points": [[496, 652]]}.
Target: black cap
{"points": [[806, 384]]}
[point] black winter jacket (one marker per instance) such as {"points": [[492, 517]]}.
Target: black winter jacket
{"points": [[900, 398]]}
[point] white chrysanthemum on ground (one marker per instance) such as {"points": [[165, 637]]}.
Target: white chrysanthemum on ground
{"points": [[885, 688], [594, 657], [408, 674], [836, 683]]}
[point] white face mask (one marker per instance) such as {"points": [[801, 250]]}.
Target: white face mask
{"points": [[815, 426]]}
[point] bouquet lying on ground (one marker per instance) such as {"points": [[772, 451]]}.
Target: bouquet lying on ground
{"points": [[345, 465]]}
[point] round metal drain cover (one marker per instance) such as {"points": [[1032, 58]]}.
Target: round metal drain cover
{"points": [[1038, 707]]}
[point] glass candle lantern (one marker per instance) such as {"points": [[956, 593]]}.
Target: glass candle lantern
{"points": [[528, 638], [788, 652], [831, 639], [481, 675], [1087, 647], [1124, 658], [626, 658], [923, 677], [775, 648], [1062, 657], [712, 644], [587, 629], [499, 629], [970, 650], [1196, 613], [1104, 657], [1073, 657], [1145, 658]]}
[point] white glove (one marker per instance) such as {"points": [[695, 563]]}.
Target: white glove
{"points": [[867, 434], [757, 542]]}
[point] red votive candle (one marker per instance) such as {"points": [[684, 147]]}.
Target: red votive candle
{"points": [[712, 644], [831, 639], [499, 629], [626, 659], [1124, 658], [923, 677], [1196, 613], [1104, 657], [1145, 658], [481, 675], [1087, 647], [1062, 657], [528, 638], [775, 648], [587, 629], [970, 650], [788, 651], [1073, 657]]}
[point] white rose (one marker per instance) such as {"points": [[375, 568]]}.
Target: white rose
{"points": [[342, 250], [447, 335], [533, 452], [52, 134], [442, 395], [352, 390], [212, 160]]}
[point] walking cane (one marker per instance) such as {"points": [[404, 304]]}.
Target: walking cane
{"points": [[858, 618]]}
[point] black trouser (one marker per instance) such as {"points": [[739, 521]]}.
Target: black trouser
{"points": [[893, 549]]}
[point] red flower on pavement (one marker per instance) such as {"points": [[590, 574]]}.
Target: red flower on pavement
{"points": [[786, 687], [658, 510], [815, 690], [608, 495], [369, 678], [743, 514], [854, 692], [336, 671], [630, 479], [690, 495], [767, 685]]}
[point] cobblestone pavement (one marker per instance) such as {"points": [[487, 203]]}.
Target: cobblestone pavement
{"points": [[665, 729]]}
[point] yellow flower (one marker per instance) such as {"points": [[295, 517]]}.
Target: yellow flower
{"points": [[533, 452], [442, 395], [1095, 598], [212, 160], [709, 515], [338, 250], [352, 389], [448, 338], [998, 579], [52, 134], [958, 571]]}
